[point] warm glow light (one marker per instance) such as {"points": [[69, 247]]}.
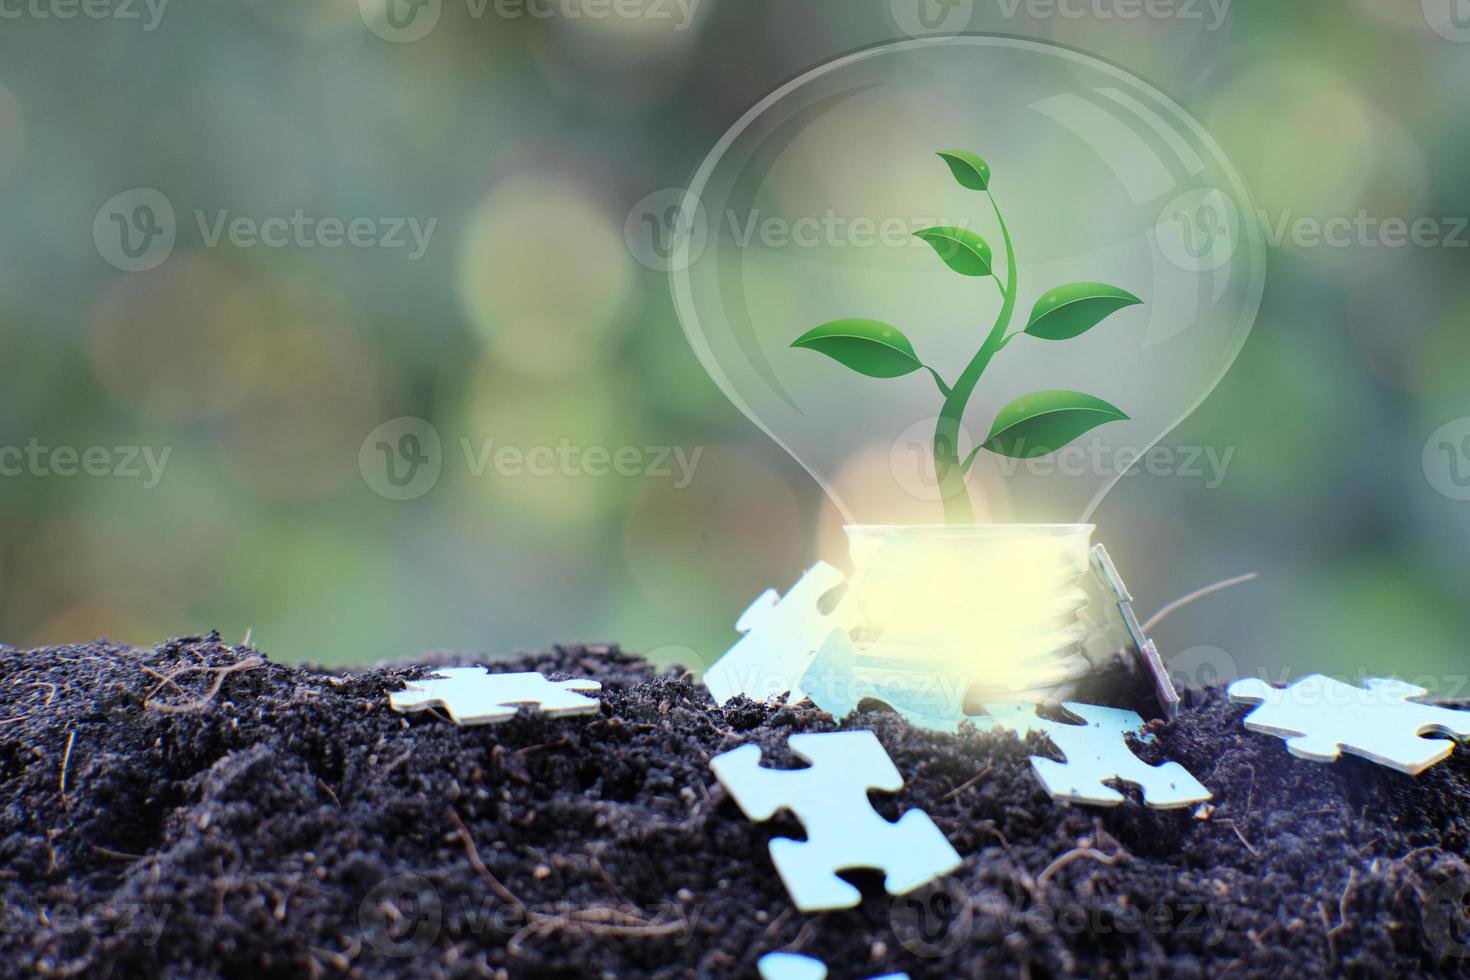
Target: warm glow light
{"points": [[1001, 607]]}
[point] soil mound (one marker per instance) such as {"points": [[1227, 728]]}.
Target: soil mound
{"points": [[195, 810]]}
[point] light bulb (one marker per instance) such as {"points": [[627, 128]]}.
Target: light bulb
{"points": [[968, 281], [807, 212]]}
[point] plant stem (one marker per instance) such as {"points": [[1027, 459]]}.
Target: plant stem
{"points": [[947, 467]]}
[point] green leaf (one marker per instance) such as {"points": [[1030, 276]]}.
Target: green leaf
{"points": [[961, 249], [1069, 311], [968, 169], [868, 347], [1039, 424]]}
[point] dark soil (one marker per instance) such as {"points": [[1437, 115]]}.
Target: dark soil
{"points": [[161, 815]]}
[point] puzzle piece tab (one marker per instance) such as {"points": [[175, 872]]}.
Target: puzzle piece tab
{"points": [[843, 831], [474, 696], [1320, 718], [1096, 751], [791, 966], [781, 638]]}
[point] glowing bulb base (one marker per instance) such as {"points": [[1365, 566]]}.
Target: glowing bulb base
{"points": [[986, 613]]}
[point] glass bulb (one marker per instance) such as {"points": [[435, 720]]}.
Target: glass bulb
{"points": [[808, 211]]}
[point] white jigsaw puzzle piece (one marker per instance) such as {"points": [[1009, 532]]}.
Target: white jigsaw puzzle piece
{"points": [[792, 966], [843, 831], [839, 679], [474, 696], [781, 638], [1320, 718], [1096, 751]]}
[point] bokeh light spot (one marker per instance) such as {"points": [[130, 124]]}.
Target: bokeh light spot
{"points": [[544, 276]]}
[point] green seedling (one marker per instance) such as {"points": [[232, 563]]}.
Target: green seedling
{"points": [[1033, 425]]}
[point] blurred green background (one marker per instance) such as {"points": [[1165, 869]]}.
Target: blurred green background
{"points": [[528, 141]]}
